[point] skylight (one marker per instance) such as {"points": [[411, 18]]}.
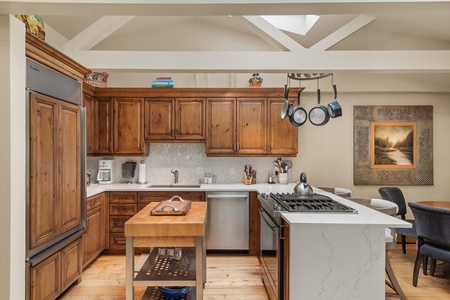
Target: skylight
{"points": [[299, 24]]}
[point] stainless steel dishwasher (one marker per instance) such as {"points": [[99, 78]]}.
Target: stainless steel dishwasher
{"points": [[227, 226]]}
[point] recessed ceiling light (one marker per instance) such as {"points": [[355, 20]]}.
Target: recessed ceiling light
{"points": [[299, 24]]}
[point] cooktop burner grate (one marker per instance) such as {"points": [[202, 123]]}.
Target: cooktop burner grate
{"points": [[314, 203]]}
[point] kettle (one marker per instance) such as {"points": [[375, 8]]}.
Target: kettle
{"points": [[303, 188]]}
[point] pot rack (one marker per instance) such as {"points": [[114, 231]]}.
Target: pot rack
{"points": [[308, 76]]}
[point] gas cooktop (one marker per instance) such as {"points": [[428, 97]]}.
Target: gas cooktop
{"points": [[312, 203]]}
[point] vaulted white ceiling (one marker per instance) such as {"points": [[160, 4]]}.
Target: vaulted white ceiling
{"points": [[231, 36]]}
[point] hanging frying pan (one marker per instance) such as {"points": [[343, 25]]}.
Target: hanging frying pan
{"points": [[286, 105], [334, 108], [299, 115], [318, 115]]}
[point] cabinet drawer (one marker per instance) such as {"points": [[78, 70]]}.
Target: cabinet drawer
{"points": [[116, 224], [117, 241], [122, 197], [94, 201], [122, 209], [147, 197]]}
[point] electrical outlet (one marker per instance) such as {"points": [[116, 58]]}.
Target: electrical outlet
{"points": [[199, 171], [231, 171]]}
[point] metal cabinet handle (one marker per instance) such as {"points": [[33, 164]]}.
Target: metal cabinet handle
{"points": [[269, 146]]}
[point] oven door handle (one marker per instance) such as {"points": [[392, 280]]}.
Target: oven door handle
{"points": [[267, 219]]}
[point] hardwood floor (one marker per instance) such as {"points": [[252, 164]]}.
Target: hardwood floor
{"points": [[237, 277]]}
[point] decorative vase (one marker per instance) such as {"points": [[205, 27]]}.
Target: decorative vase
{"points": [[255, 81]]}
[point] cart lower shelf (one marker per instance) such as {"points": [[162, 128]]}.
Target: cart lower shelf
{"points": [[152, 293]]}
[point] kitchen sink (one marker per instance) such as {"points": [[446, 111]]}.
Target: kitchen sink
{"points": [[176, 185]]}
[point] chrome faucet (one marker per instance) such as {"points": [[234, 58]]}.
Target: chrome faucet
{"points": [[175, 173]]}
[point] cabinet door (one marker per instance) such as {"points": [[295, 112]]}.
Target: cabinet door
{"points": [[159, 119], [104, 126], [128, 126], [94, 237], [70, 264], [90, 103], [44, 205], [283, 136], [221, 126], [69, 179], [190, 119], [45, 278], [251, 127]]}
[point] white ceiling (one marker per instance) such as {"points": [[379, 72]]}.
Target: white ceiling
{"points": [[229, 36]]}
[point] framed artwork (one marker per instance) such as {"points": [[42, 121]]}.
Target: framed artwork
{"points": [[393, 145]]}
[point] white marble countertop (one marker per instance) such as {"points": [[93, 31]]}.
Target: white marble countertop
{"points": [[365, 215]]}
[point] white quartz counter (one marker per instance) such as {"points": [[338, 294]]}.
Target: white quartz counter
{"points": [[364, 216]]}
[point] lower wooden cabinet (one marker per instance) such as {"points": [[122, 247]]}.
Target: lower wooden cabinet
{"points": [[53, 275], [94, 238]]}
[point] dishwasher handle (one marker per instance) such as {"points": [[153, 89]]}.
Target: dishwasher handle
{"points": [[211, 196]]}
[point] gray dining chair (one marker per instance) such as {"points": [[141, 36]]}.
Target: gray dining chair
{"points": [[433, 237], [395, 195]]}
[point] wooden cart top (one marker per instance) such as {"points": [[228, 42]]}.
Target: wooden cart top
{"points": [[192, 224]]}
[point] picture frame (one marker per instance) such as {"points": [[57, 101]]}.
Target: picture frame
{"points": [[368, 124]]}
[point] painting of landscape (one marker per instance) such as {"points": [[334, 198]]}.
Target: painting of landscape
{"points": [[393, 145]]}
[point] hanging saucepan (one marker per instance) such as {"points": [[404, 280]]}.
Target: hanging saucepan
{"points": [[334, 108], [318, 115], [299, 115], [286, 105]]}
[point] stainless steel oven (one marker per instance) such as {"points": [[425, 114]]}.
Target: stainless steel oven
{"points": [[271, 255]]}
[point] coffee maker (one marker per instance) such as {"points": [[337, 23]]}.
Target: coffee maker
{"points": [[105, 171]]}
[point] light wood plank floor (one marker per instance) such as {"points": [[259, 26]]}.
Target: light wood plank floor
{"points": [[237, 277]]}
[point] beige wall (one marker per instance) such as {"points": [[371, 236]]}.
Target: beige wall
{"points": [[12, 159]]}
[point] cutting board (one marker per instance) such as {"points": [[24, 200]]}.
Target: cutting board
{"points": [[172, 208]]}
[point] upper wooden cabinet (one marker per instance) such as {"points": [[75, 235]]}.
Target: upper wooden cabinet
{"points": [[283, 137], [236, 126], [248, 127], [128, 137], [169, 119]]}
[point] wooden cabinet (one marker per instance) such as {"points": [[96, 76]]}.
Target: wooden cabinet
{"points": [[128, 137], [236, 126], [55, 164], [170, 119], [50, 277], [282, 136], [94, 238], [254, 225], [104, 132], [122, 206]]}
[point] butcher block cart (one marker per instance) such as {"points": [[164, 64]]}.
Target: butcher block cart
{"points": [[159, 231]]}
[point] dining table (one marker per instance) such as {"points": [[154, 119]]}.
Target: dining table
{"points": [[441, 204]]}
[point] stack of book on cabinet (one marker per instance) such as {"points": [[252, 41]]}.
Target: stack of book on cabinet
{"points": [[162, 82]]}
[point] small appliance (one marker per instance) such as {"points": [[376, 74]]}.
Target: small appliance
{"points": [[105, 171]]}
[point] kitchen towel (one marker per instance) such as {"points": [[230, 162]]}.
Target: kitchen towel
{"points": [[142, 170]]}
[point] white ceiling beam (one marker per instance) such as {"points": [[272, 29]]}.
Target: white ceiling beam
{"points": [[343, 32], [265, 61], [221, 7], [53, 37], [96, 32], [274, 33]]}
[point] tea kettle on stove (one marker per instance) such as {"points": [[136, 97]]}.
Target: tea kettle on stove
{"points": [[303, 188]]}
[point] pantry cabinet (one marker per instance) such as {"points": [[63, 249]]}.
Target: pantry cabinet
{"points": [[174, 119]]}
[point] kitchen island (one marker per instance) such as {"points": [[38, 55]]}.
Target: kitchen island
{"points": [[331, 255], [145, 230]]}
